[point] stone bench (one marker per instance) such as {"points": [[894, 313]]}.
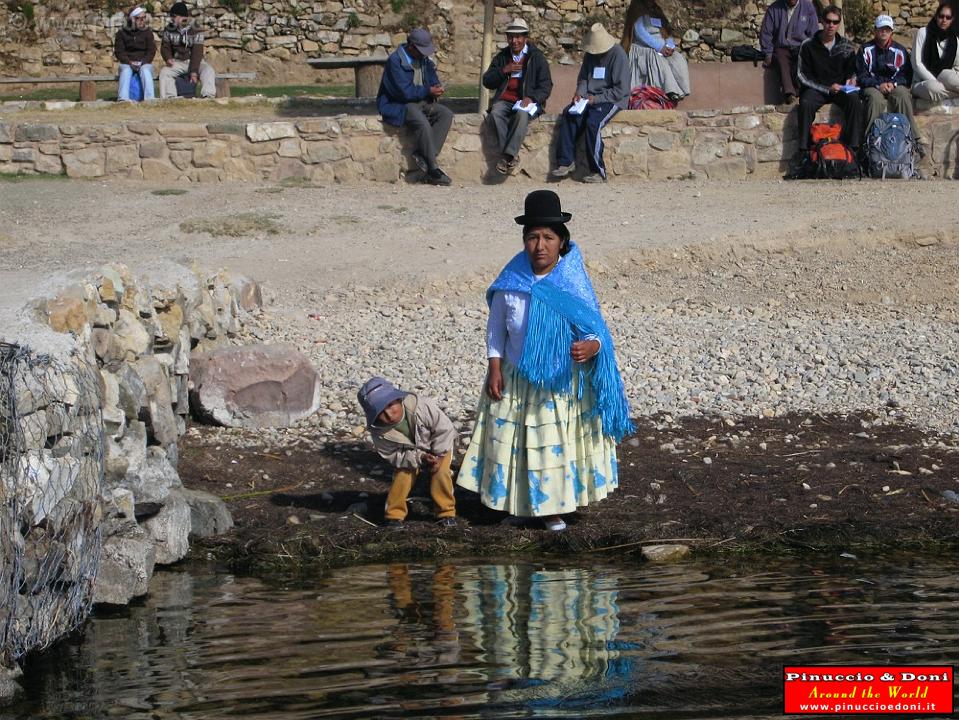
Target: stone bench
{"points": [[88, 83], [367, 71], [714, 85]]}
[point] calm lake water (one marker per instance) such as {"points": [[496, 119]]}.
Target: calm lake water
{"points": [[475, 640]]}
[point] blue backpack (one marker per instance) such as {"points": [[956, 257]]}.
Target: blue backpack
{"points": [[891, 148], [136, 87]]}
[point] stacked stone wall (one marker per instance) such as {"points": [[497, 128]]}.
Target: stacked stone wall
{"points": [[640, 144], [274, 37], [141, 335]]}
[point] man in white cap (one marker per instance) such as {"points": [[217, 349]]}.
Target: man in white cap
{"points": [[884, 72], [519, 75], [135, 47], [602, 90], [408, 97]]}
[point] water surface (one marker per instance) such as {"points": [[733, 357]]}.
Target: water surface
{"points": [[693, 640]]}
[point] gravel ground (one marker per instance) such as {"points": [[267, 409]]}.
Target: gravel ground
{"points": [[752, 299]]}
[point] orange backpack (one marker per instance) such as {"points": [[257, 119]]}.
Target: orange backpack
{"points": [[829, 157]]}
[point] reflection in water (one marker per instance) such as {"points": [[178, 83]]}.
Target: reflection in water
{"points": [[480, 641], [547, 636]]}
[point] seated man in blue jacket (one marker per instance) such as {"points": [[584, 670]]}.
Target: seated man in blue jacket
{"points": [[884, 72], [408, 96]]}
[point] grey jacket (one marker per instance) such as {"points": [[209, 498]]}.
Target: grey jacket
{"points": [[614, 87], [434, 433]]}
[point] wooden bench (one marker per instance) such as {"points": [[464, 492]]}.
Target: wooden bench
{"points": [[367, 71], [88, 83]]}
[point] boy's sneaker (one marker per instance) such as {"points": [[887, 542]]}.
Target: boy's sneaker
{"points": [[437, 177], [593, 178], [421, 163], [562, 171], [447, 522], [394, 525]]}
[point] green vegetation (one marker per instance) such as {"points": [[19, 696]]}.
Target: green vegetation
{"points": [[170, 191], [397, 5], [241, 225], [352, 21], [237, 7], [107, 91], [858, 16], [24, 177]]}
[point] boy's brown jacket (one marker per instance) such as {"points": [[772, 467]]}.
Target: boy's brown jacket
{"points": [[434, 433]]}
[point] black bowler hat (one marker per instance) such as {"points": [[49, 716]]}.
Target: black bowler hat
{"points": [[543, 208], [179, 9]]}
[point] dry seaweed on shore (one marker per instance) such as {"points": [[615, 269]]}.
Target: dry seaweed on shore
{"points": [[789, 484]]}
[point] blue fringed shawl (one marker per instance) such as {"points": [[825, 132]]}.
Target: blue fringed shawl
{"points": [[563, 307]]}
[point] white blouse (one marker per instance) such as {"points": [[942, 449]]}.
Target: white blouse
{"points": [[506, 327]]}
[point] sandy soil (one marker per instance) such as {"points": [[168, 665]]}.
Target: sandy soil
{"points": [[816, 482], [395, 234]]}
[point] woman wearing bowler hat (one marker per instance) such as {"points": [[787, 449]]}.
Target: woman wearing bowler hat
{"points": [[554, 406]]}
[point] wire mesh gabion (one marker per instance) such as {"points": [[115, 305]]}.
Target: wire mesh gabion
{"points": [[51, 475]]}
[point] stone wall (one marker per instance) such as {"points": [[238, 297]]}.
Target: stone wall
{"points": [[274, 37], [141, 334], [641, 144], [135, 336]]}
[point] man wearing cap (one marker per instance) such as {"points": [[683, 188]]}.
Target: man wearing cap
{"points": [[408, 97], [135, 47], [520, 77], [786, 25], [885, 76], [602, 90], [181, 47]]}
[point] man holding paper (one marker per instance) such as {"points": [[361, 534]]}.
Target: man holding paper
{"points": [[827, 74], [602, 90], [519, 75]]}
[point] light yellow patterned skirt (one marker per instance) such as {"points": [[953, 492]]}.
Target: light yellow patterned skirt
{"points": [[536, 452]]}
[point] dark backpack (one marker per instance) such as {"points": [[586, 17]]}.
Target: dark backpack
{"points": [[891, 148], [746, 53], [829, 158], [185, 87]]}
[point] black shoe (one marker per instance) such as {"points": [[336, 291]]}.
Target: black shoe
{"points": [[394, 525], [447, 522], [421, 163], [437, 177]]}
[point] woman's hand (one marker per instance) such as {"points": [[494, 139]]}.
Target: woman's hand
{"points": [[494, 380], [583, 350]]}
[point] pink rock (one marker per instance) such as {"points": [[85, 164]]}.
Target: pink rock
{"points": [[253, 386]]}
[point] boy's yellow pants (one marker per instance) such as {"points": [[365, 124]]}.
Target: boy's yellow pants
{"points": [[441, 488]]}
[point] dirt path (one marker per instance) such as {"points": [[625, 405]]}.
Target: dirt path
{"points": [[330, 236]]}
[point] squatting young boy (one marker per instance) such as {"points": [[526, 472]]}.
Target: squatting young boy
{"points": [[410, 432]]}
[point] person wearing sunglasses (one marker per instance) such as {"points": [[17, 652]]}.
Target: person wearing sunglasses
{"points": [[935, 62], [827, 74]]}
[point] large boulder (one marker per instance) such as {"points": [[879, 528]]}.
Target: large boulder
{"points": [[126, 566], [170, 528], [208, 514], [254, 386]]}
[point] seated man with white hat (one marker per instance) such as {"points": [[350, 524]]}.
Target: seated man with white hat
{"points": [[135, 47], [519, 75], [602, 90]]}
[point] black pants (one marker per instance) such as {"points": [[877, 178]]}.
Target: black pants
{"points": [[851, 105]]}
